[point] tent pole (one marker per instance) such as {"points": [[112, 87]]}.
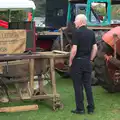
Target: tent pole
{"points": [[9, 15]]}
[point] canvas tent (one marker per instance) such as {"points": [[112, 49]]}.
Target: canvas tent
{"points": [[17, 4]]}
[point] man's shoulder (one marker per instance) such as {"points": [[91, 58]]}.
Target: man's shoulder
{"points": [[90, 30], [77, 30]]}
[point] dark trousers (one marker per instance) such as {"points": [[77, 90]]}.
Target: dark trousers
{"points": [[81, 76]]}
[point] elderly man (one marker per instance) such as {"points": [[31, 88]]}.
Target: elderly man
{"points": [[83, 51]]}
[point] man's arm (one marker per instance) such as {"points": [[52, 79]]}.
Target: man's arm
{"points": [[72, 54], [94, 52]]}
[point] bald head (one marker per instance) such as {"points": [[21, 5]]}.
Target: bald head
{"points": [[81, 17], [80, 20]]}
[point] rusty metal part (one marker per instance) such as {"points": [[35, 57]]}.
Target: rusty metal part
{"points": [[113, 70], [115, 62], [117, 77], [116, 38]]}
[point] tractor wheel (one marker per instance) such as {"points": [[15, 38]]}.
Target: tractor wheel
{"points": [[61, 65], [94, 79], [101, 70]]}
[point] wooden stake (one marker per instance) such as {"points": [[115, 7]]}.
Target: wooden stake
{"points": [[52, 72], [19, 108]]}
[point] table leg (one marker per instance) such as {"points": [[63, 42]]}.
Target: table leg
{"points": [[61, 40], [52, 71], [56, 97], [41, 86], [31, 68]]}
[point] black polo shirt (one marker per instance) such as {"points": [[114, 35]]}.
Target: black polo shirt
{"points": [[84, 38]]}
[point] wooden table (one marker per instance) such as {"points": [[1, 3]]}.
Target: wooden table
{"points": [[40, 55]]}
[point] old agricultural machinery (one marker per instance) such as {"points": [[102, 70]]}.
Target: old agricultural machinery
{"points": [[104, 22]]}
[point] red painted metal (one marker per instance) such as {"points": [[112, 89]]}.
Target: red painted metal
{"points": [[113, 71], [108, 38], [4, 24]]}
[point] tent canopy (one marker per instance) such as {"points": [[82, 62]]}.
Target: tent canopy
{"points": [[17, 4]]}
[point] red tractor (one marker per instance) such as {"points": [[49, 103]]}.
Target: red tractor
{"points": [[107, 61]]}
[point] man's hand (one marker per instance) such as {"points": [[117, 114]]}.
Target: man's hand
{"points": [[72, 54], [94, 51], [92, 63]]}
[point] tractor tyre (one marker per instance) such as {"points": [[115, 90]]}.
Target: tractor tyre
{"points": [[101, 70]]}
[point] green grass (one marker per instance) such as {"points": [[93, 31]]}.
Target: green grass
{"points": [[107, 106]]}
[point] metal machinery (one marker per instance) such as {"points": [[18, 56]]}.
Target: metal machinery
{"points": [[107, 18], [105, 71], [60, 15], [76, 7], [108, 59]]}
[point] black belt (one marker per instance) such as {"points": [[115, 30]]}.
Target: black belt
{"points": [[83, 57]]}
